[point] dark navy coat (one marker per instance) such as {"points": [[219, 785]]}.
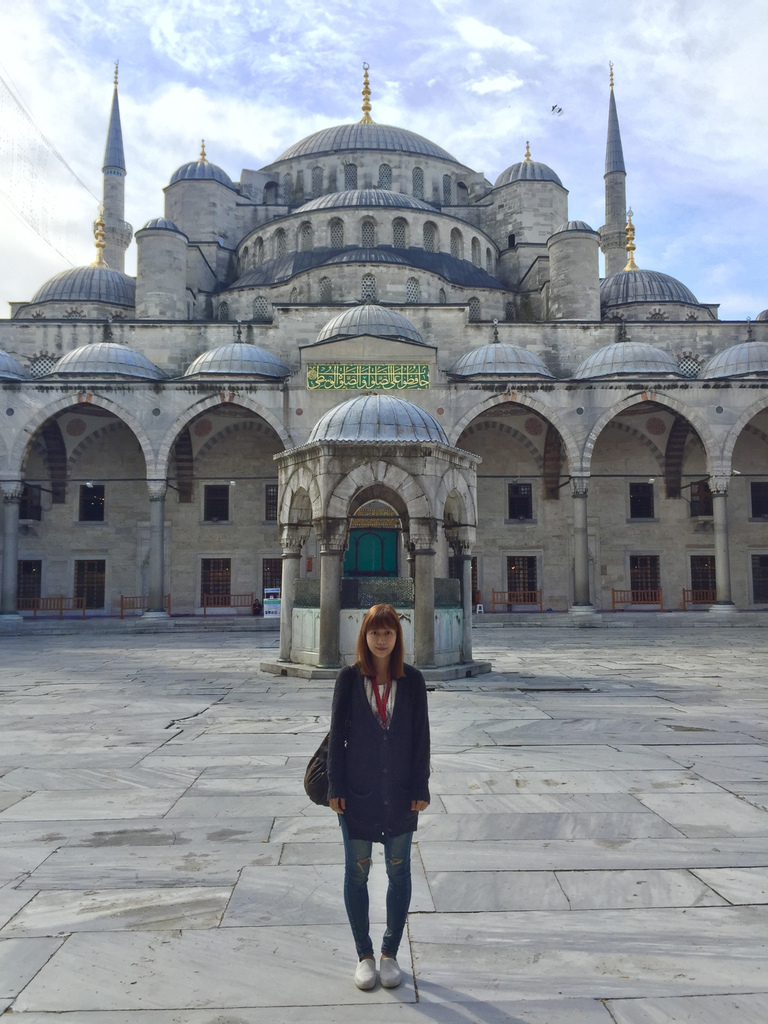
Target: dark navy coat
{"points": [[379, 771]]}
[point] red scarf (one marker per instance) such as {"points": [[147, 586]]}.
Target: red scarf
{"points": [[381, 702]]}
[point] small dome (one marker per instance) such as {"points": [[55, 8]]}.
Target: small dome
{"points": [[625, 358], [499, 360], [527, 170], [372, 319], [201, 170], [106, 358], [89, 284], [365, 197], [344, 137], [575, 225], [238, 358], [377, 418], [763, 315], [10, 369], [738, 360], [161, 224], [643, 286]]}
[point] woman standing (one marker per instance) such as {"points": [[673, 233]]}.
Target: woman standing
{"points": [[378, 772]]}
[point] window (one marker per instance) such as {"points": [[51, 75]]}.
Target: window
{"points": [[701, 499], [216, 503], [399, 233], [259, 246], [644, 572], [430, 237], [280, 243], [509, 312], [417, 178], [317, 182], [447, 190], [488, 261], [759, 499], [305, 237], [287, 189], [760, 579], [641, 501], [326, 290], [215, 577], [337, 234], [299, 191], [441, 297], [244, 260], [519, 501], [270, 503], [462, 193], [703, 572], [350, 176], [90, 577], [91, 503], [412, 290], [455, 569], [473, 311], [261, 311], [457, 244], [224, 311], [367, 235], [510, 241], [29, 576], [385, 176], [476, 251], [294, 297], [368, 288], [521, 572], [29, 507], [271, 573]]}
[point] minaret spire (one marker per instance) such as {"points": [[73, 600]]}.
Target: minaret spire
{"points": [[612, 234], [117, 233], [366, 118], [629, 231]]}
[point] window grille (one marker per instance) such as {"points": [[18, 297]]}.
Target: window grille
{"points": [[306, 237], [90, 579], [288, 189], [759, 489], [368, 235], [368, 288], [457, 244], [398, 234], [215, 577], [317, 182], [412, 290], [41, 365], [521, 572], [509, 312], [30, 507], [476, 252], [294, 295], [519, 501], [689, 367], [91, 503], [280, 243], [350, 176], [216, 503], [270, 503], [337, 234], [701, 499], [418, 182], [224, 311], [29, 575], [271, 573], [430, 237], [703, 572], [261, 310], [641, 501], [326, 290], [644, 572], [473, 307], [447, 190], [385, 176], [441, 297]]}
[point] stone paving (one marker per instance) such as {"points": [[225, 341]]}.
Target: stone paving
{"points": [[596, 851]]}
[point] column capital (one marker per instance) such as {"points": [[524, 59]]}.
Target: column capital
{"points": [[292, 540], [579, 486], [719, 486], [12, 490], [157, 489], [422, 533], [461, 539], [331, 534]]}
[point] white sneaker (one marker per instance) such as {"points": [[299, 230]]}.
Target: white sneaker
{"points": [[389, 972], [365, 973]]}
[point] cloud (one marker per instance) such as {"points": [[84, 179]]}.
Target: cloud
{"points": [[486, 37], [502, 83]]}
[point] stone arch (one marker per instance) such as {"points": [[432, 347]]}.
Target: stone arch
{"points": [[726, 456], [503, 428], [300, 481], [17, 455], [79, 450], [673, 404], [644, 440], [382, 480], [454, 483], [204, 405], [230, 430]]}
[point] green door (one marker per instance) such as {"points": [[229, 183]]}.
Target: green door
{"points": [[371, 553]]}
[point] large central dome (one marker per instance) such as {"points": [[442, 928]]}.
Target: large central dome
{"points": [[345, 137]]}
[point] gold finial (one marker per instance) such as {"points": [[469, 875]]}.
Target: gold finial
{"points": [[117, 62], [610, 65], [630, 246], [98, 231], [527, 153], [366, 118], [202, 151]]}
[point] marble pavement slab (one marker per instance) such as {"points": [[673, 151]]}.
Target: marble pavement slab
{"points": [[477, 891], [601, 890], [21, 960], [579, 825], [708, 814], [56, 806], [715, 1009], [570, 782], [738, 885]]}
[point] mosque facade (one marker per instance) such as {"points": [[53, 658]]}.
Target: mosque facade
{"points": [[366, 366]]}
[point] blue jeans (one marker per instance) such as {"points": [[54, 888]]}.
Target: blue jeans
{"points": [[357, 865]]}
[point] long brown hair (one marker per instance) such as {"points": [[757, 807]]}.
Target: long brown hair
{"points": [[380, 616]]}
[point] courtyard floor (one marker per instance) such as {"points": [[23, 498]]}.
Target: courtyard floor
{"points": [[596, 850]]}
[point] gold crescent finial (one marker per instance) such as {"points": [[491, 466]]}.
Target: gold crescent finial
{"points": [[630, 246], [366, 118], [117, 62], [610, 65], [527, 153], [98, 231], [202, 151]]}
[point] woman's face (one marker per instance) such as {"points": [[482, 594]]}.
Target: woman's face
{"points": [[381, 641]]}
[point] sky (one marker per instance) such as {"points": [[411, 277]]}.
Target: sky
{"points": [[479, 80]]}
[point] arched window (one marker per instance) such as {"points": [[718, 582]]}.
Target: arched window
{"points": [[385, 176], [294, 295], [244, 260], [476, 251], [350, 176], [299, 192], [288, 189], [326, 291], [368, 234], [280, 243], [270, 193], [259, 250], [261, 311], [441, 297], [337, 234], [488, 261], [412, 290], [447, 190], [473, 308], [457, 244], [418, 182], [368, 288], [430, 237], [317, 182], [305, 237], [509, 312], [224, 311], [399, 239]]}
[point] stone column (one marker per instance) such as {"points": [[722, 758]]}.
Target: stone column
{"points": [[332, 535], [462, 542], [581, 596], [292, 541], [156, 604], [724, 603], [11, 499], [422, 540]]}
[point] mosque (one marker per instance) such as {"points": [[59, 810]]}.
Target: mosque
{"points": [[365, 371]]}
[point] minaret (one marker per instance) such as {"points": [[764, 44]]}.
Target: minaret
{"points": [[117, 232], [612, 234], [366, 118]]}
